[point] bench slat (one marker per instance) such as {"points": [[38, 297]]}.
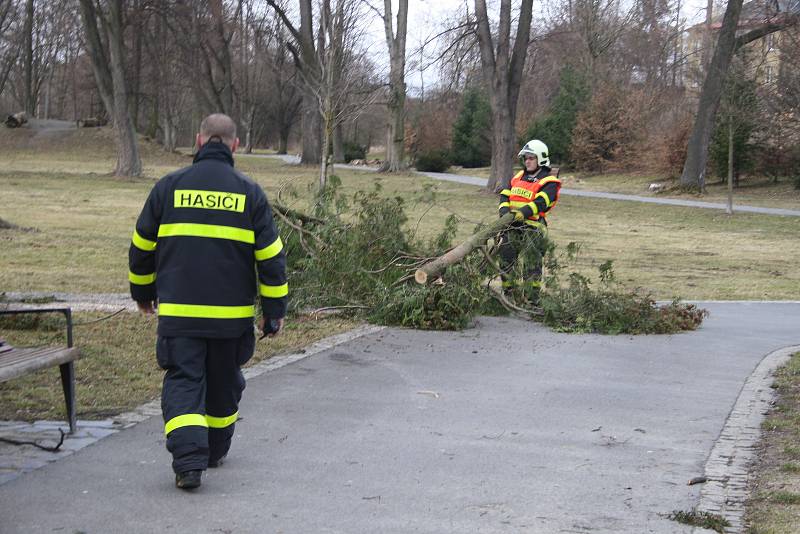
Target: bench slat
{"points": [[19, 362]]}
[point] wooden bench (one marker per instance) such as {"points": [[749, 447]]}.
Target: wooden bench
{"points": [[19, 362]]}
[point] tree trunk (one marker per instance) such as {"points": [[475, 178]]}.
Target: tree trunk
{"points": [[431, 270], [395, 129], [502, 73], [283, 143], [98, 55], [338, 144], [730, 166], [128, 161], [30, 100], [311, 126], [503, 146], [697, 153]]}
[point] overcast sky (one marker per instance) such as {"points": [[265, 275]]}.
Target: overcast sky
{"points": [[426, 18]]}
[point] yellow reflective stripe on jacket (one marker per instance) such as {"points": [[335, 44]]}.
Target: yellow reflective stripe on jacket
{"points": [[534, 207], [549, 179], [506, 192], [207, 230], [273, 291], [141, 279], [206, 312], [270, 251], [189, 419], [517, 204], [546, 198], [504, 205], [221, 422], [142, 243]]}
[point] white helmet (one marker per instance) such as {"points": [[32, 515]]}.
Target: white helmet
{"points": [[535, 148]]}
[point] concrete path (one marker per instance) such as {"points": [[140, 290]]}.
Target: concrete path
{"points": [[406, 431], [481, 182]]}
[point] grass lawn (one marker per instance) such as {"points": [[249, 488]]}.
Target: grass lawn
{"points": [[81, 223], [74, 223], [774, 507]]}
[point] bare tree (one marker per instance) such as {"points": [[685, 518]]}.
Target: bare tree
{"points": [[109, 69], [502, 69], [306, 58], [694, 167], [396, 43]]}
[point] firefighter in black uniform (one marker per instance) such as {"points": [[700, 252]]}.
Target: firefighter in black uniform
{"points": [[203, 243], [532, 193]]}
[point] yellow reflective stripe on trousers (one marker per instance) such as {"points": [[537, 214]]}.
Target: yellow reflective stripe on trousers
{"points": [[142, 243], [205, 312], [207, 230], [189, 419], [221, 422], [270, 251], [273, 291], [141, 279]]}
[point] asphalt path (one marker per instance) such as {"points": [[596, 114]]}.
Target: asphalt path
{"points": [[504, 427], [481, 182]]}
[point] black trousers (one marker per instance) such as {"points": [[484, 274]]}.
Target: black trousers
{"points": [[512, 242], [203, 385]]}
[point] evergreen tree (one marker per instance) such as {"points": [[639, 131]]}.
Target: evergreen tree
{"points": [[739, 109], [472, 131], [556, 126]]}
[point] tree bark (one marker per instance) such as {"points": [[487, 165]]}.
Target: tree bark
{"points": [[694, 168], [431, 270], [30, 100], [109, 72], [502, 72], [729, 210], [395, 128], [128, 161]]}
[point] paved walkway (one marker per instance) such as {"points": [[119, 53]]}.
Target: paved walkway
{"points": [[481, 182], [408, 431]]}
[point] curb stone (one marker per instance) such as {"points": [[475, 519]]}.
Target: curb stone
{"points": [[727, 467]]}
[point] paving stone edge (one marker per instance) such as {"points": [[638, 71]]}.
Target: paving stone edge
{"points": [[728, 464]]}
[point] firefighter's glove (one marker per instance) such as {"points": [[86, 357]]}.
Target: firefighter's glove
{"points": [[270, 327], [518, 216]]}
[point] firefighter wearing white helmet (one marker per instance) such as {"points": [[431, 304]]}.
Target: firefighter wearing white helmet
{"points": [[531, 195]]}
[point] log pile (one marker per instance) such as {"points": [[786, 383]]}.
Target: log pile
{"points": [[16, 120]]}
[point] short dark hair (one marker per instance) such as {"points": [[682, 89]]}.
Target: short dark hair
{"points": [[219, 125]]}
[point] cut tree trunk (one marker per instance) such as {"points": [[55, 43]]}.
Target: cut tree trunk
{"points": [[431, 270]]}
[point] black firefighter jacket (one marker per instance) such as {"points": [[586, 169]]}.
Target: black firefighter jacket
{"points": [[204, 245]]}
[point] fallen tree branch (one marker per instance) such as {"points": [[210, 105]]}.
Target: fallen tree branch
{"points": [[430, 271]]}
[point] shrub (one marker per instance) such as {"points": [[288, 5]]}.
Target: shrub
{"points": [[353, 150], [604, 130], [433, 161]]}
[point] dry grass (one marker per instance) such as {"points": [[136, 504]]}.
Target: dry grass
{"points": [[774, 507]]}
